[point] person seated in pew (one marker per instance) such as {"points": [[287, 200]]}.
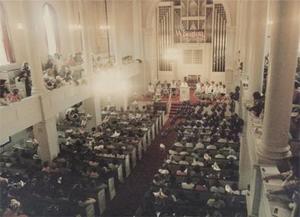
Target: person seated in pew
{"points": [[183, 161], [216, 167], [201, 185], [199, 145], [160, 194], [196, 171], [219, 155], [231, 156], [14, 209], [211, 147], [182, 171], [188, 184], [113, 165], [216, 187], [158, 180], [216, 202], [207, 157], [197, 162], [178, 144], [183, 153], [46, 167], [164, 171], [172, 152], [233, 189], [214, 213], [189, 145]]}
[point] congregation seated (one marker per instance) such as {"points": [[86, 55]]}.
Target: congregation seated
{"points": [[204, 158], [86, 161]]}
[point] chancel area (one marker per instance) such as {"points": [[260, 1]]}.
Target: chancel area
{"points": [[141, 108]]}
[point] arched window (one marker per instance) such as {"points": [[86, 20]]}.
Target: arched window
{"points": [[50, 22], [6, 52]]}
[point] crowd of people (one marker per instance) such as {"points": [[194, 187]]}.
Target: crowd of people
{"points": [[213, 88], [200, 175], [87, 161], [59, 72], [164, 89], [10, 95]]}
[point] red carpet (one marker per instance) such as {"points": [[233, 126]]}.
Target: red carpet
{"points": [[130, 194]]}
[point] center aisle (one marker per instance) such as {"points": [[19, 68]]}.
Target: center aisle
{"points": [[131, 193]]}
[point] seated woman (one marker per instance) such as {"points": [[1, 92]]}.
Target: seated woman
{"points": [[201, 185], [182, 171]]}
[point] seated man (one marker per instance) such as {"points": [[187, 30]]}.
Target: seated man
{"points": [[188, 184]]}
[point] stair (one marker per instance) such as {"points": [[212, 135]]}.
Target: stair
{"points": [[175, 106]]}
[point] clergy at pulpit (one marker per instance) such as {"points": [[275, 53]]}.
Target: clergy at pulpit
{"points": [[173, 87]]}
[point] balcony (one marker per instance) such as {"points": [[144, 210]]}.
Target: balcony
{"points": [[19, 115], [32, 110], [60, 99]]}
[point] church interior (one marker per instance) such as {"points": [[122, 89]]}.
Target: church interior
{"points": [[163, 108]]}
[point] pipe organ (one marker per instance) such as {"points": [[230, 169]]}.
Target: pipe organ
{"points": [[219, 38], [190, 22]]}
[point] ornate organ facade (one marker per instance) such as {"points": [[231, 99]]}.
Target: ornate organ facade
{"points": [[193, 28]]}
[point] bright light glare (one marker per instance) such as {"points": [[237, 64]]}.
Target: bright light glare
{"points": [[104, 27], [75, 27], [111, 85]]}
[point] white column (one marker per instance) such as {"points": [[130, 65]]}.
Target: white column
{"points": [[46, 134], [92, 107], [34, 40], [71, 25], [284, 45], [257, 41]]}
